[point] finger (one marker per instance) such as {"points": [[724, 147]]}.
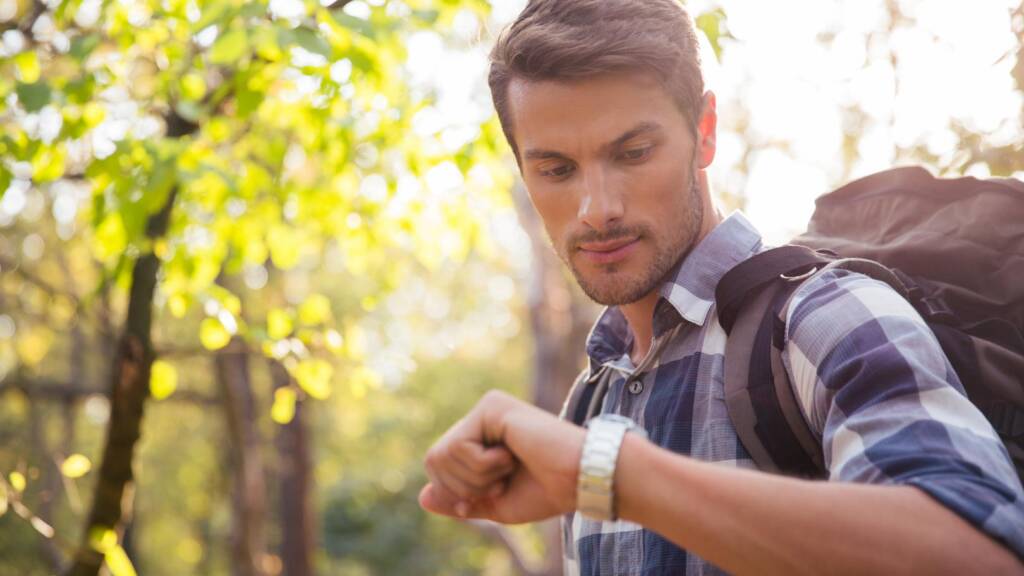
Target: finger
{"points": [[459, 482], [432, 499], [437, 500], [484, 460]]}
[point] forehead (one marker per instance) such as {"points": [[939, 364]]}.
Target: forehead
{"points": [[589, 112]]}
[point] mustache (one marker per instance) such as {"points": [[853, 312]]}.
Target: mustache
{"points": [[616, 233]]}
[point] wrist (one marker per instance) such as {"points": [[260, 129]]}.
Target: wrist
{"points": [[596, 482], [630, 485]]}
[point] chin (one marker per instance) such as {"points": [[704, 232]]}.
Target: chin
{"points": [[612, 286]]}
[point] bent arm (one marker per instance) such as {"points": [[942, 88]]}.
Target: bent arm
{"points": [[755, 523]]}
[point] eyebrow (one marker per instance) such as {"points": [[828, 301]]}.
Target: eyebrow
{"points": [[641, 128]]}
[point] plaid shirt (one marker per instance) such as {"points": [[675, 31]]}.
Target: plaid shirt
{"points": [[846, 333]]}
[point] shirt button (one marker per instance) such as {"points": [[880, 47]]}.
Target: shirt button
{"points": [[636, 387]]}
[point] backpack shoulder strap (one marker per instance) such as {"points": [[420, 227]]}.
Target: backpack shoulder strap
{"points": [[763, 405], [753, 299]]}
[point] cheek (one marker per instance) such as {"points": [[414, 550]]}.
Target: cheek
{"points": [[557, 210]]}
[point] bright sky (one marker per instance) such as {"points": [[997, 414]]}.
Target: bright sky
{"points": [[783, 90]]}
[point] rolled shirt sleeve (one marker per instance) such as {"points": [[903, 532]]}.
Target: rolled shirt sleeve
{"points": [[876, 387]]}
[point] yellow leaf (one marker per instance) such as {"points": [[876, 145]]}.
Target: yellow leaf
{"points": [[119, 563], [315, 310], [3, 499], [314, 377], [178, 305], [102, 538], [75, 466], [17, 481], [283, 409], [93, 114], [279, 324], [110, 238], [284, 246], [213, 335], [33, 344], [28, 66], [193, 87], [163, 380]]}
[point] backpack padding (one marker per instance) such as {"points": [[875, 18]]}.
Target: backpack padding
{"points": [[965, 235]]}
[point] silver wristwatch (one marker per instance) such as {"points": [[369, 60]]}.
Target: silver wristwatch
{"points": [[595, 492]]}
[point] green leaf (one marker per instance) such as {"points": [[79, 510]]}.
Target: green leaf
{"points": [[230, 47], [33, 96], [352, 23], [163, 380], [711, 24], [213, 335], [82, 46], [312, 41], [283, 409], [3, 499], [75, 466]]}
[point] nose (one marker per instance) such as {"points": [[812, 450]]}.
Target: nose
{"points": [[601, 203]]}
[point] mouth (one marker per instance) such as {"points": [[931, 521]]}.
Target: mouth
{"points": [[608, 252]]}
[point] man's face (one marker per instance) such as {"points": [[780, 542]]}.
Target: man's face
{"points": [[611, 166]]}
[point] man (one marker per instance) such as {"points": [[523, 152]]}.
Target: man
{"points": [[603, 105]]}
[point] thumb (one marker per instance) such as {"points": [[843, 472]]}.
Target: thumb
{"points": [[438, 501]]}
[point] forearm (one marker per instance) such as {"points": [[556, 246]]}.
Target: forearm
{"points": [[755, 523]]}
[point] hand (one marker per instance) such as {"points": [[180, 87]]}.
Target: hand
{"points": [[506, 461]]}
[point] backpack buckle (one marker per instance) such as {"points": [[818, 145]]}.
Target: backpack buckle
{"points": [[800, 276], [937, 309]]}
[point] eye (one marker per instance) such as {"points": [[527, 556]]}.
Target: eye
{"points": [[635, 154], [558, 172]]}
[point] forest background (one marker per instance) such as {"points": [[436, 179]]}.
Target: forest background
{"points": [[256, 255]]}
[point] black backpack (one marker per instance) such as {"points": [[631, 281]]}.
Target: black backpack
{"points": [[954, 248]]}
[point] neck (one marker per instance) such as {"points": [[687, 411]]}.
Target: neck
{"points": [[640, 316], [640, 313]]}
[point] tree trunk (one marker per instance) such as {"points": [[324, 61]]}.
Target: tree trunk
{"points": [[248, 541], [129, 389], [560, 318], [294, 472]]}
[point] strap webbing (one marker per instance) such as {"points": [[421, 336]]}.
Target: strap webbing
{"points": [[751, 275]]}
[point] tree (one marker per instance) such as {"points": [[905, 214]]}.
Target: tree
{"points": [[217, 139]]}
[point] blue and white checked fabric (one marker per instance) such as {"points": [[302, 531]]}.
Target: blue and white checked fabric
{"points": [[871, 378]]}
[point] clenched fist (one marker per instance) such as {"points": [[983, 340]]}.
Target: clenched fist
{"points": [[506, 461]]}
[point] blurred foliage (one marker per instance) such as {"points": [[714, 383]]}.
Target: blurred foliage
{"points": [[320, 212]]}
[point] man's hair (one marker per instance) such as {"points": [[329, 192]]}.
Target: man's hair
{"points": [[575, 39]]}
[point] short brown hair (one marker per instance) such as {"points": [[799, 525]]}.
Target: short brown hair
{"points": [[576, 39]]}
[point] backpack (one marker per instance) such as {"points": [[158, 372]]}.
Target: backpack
{"points": [[953, 248]]}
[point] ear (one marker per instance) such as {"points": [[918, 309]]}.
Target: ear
{"points": [[706, 130]]}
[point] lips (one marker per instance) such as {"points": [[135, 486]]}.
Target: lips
{"points": [[608, 252]]}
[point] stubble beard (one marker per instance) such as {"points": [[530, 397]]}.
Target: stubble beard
{"points": [[604, 285]]}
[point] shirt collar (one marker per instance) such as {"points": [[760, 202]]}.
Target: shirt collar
{"points": [[688, 294]]}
